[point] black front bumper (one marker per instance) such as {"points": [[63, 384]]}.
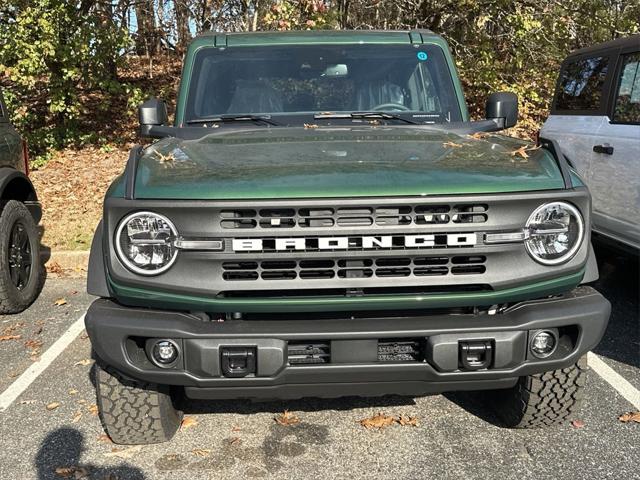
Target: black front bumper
{"points": [[118, 335]]}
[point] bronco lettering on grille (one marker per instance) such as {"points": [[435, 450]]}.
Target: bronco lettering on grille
{"points": [[355, 243]]}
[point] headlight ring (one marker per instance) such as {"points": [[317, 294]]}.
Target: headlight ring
{"points": [[145, 243], [554, 232]]}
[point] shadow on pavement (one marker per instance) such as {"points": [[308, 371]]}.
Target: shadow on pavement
{"points": [[248, 407], [63, 448], [620, 283]]}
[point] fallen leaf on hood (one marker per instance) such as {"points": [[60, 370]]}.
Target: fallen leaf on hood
{"points": [[405, 420], [4, 338], [310, 125], [630, 417], [479, 135], [93, 409], [577, 423], [452, 145], [53, 405], [83, 363], [188, 422], [60, 302], [287, 418], [201, 452], [378, 421], [522, 151], [126, 453]]}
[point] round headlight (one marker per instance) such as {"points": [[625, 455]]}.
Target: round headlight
{"points": [[144, 242], [554, 233]]}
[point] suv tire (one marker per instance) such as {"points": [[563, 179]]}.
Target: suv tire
{"points": [[21, 270], [548, 398], [133, 412]]}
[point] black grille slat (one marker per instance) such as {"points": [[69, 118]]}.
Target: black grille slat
{"points": [[349, 217], [400, 350], [322, 269]]}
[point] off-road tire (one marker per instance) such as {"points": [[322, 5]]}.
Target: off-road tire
{"points": [[13, 299], [544, 399], [134, 412]]}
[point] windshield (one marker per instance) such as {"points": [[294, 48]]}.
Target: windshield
{"points": [[412, 81]]}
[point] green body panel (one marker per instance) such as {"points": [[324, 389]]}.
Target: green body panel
{"points": [[154, 298], [367, 161], [326, 37]]}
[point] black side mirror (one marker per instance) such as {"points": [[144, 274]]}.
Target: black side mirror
{"points": [[152, 113], [502, 108]]}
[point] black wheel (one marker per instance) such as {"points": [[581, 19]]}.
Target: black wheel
{"points": [[544, 399], [21, 271], [134, 412]]}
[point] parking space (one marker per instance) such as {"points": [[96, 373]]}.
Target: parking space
{"points": [[457, 435]]}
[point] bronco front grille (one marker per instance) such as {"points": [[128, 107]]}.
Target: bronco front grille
{"points": [[348, 217], [384, 267]]}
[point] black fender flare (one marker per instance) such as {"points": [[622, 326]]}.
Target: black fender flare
{"points": [[591, 273], [97, 273], [15, 185]]}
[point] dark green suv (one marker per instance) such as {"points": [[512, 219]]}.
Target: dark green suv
{"points": [[323, 219], [21, 271]]}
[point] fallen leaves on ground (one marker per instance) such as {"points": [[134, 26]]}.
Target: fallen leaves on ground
{"points": [[630, 417], [378, 421], [406, 420], [201, 452], [188, 422], [93, 409], [53, 405], [126, 453], [33, 344], [83, 363], [55, 268], [310, 125], [76, 418], [27, 402], [73, 391], [577, 423], [287, 418], [452, 145], [76, 473], [4, 338], [10, 329], [235, 441], [236, 429], [104, 438], [381, 421], [59, 302]]}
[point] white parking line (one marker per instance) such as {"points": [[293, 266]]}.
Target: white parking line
{"points": [[609, 375], [30, 374]]}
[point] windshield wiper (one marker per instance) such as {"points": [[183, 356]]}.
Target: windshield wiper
{"points": [[235, 118], [365, 115]]}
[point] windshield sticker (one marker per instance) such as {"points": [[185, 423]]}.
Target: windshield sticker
{"points": [[422, 56]]}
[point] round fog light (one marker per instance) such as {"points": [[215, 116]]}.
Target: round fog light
{"points": [[543, 344], [165, 352]]}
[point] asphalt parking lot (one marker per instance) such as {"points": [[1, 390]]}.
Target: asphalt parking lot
{"points": [[457, 435]]}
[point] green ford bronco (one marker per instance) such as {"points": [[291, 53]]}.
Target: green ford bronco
{"points": [[323, 219]]}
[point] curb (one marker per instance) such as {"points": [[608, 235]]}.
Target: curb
{"points": [[66, 263]]}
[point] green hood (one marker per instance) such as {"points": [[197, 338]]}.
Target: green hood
{"points": [[273, 163]]}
